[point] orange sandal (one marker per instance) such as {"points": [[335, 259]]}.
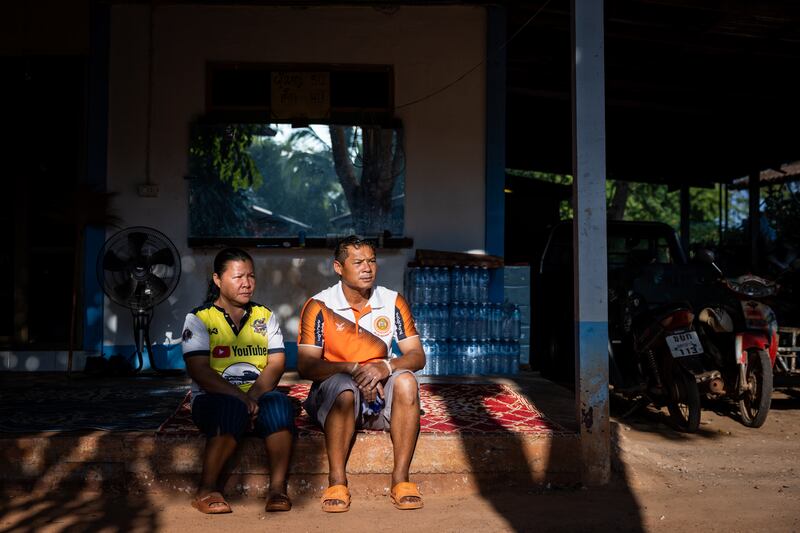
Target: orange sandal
{"points": [[406, 490], [334, 493]]}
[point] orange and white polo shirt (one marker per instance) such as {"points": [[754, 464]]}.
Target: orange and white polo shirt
{"points": [[346, 335]]}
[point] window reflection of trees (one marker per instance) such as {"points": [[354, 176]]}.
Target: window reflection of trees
{"points": [[276, 181]]}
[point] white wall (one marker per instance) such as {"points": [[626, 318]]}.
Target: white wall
{"points": [[445, 135]]}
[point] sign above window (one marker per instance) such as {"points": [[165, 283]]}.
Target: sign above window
{"points": [[300, 93]]}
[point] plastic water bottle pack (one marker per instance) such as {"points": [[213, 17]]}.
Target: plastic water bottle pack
{"points": [[462, 332]]}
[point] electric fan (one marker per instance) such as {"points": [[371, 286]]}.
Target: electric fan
{"points": [[138, 268]]}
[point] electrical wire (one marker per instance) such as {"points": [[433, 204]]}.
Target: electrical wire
{"points": [[479, 64], [150, 70]]}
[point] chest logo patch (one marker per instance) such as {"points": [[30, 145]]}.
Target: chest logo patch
{"points": [[382, 325], [241, 373], [339, 326], [260, 326]]}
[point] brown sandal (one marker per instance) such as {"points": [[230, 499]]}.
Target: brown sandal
{"points": [[278, 502], [211, 503]]}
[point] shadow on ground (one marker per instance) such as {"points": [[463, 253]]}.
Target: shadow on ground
{"points": [[79, 486], [647, 419], [89, 479], [537, 499], [68, 497]]}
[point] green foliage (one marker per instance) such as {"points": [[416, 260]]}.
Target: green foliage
{"points": [[223, 176], [224, 153], [655, 202], [238, 171], [300, 181], [782, 208], [561, 179]]}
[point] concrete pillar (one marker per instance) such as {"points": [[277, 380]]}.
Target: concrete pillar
{"points": [[495, 142], [589, 230]]}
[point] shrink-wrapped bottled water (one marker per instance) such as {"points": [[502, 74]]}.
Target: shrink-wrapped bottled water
{"points": [[445, 286], [471, 284], [483, 284], [435, 282], [457, 284], [483, 315], [471, 358]]}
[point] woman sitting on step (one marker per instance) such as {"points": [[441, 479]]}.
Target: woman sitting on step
{"points": [[234, 354]]}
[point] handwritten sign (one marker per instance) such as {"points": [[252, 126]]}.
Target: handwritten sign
{"points": [[301, 95]]}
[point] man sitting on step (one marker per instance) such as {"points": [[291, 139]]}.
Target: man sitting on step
{"points": [[344, 344]]}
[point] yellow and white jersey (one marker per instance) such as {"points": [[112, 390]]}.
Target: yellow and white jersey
{"points": [[238, 353]]}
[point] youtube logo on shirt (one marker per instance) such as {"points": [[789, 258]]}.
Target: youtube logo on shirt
{"points": [[221, 352]]}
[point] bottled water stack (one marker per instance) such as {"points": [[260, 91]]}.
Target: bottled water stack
{"points": [[461, 331]]}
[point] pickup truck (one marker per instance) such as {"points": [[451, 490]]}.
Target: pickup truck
{"points": [[633, 247]]}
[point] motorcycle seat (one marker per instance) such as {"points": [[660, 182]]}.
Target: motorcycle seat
{"points": [[659, 313]]}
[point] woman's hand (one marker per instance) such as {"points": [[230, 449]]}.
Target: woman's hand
{"points": [[252, 405], [252, 408]]}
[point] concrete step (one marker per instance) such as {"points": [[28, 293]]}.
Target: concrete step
{"points": [[443, 462]]}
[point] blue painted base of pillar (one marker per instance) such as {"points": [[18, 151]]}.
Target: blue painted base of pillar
{"points": [[92, 293], [591, 366]]}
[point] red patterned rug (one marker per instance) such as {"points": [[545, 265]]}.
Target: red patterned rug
{"points": [[447, 408]]}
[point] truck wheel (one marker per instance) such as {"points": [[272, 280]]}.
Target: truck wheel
{"points": [[754, 402]]}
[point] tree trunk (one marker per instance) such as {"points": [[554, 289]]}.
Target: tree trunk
{"points": [[369, 195], [616, 210]]}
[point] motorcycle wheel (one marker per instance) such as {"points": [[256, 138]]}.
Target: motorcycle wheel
{"points": [[754, 403], [683, 402]]}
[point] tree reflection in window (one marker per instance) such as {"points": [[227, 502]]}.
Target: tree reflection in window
{"points": [[274, 180]]}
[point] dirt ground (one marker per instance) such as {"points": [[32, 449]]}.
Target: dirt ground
{"points": [[724, 478]]}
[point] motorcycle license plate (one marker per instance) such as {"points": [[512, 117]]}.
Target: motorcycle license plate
{"points": [[683, 344]]}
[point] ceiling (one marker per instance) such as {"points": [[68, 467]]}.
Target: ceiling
{"points": [[695, 93]]}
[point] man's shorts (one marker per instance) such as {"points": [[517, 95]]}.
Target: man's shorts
{"points": [[222, 414], [323, 394]]}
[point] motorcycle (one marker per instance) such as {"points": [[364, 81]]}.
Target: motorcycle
{"points": [[741, 334], [658, 358]]}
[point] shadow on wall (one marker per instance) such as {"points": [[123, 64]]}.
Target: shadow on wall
{"points": [[284, 283]]}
